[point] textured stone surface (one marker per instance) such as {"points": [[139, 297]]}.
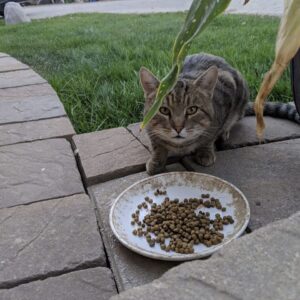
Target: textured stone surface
{"points": [[267, 174], [130, 269], [262, 265], [29, 103], [49, 237], [3, 55], [90, 284], [244, 132], [35, 130], [14, 14], [20, 78], [140, 135], [36, 171], [109, 154], [11, 64]]}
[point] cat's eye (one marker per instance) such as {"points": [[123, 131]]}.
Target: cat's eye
{"points": [[191, 110], [164, 110]]}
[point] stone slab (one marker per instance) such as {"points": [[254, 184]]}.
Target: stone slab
{"points": [[243, 133], [48, 238], [90, 284], [3, 55], [36, 130], [109, 154], [262, 265], [140, 135], [11, 64], [37, 171], [268, 175], [28, 103], [20, 78], [130, 269]]}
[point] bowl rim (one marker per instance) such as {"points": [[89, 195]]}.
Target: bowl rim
{"points": [[177, 256]]}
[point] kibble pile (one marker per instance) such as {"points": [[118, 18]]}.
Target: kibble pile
{"points": [[178, 226]]}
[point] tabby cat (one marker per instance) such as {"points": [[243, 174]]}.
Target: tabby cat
{"points": [[209, 97]]}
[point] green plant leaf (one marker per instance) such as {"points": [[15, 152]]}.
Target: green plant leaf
{"points": [[199, 15]]}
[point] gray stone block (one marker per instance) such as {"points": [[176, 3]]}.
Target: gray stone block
{"points": [[140, 135], [48, 238], [262, 265], [244, 132], [36, 130], [14, 14], [90, 284], [11, 64], [3, 55], [29, 103], [19, 78], [130, 269], [267, 174], [109, 154], [37, 171]]}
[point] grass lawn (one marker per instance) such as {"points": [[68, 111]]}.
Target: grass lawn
{"points": [[92, 61]]}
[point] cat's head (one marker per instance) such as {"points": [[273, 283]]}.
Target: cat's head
{"points": [[187, 110]]}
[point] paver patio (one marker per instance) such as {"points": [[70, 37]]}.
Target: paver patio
{"points": [[55, 239]]}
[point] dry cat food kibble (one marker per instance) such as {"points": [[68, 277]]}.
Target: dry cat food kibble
{"points": [[178, 226]]}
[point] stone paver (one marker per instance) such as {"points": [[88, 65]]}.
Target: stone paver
{"points": [[243, 133], [36, 130], [262, 265], [140, 134], [267, 174], [3, 55], [37, 171], [29, 103], [109, 154], [11, 64], [48, 238], [90, 284], [20, 78], [270, 7], [129, 269]]}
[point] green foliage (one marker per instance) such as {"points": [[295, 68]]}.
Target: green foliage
{"points": [[198, 17], [92, 60]]}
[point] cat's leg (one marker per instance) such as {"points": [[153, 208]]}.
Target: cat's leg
{"points": [[157, 162], [205, 156]]}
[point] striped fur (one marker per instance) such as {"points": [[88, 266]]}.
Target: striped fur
{"points": [[220, 95], [278, 110]]}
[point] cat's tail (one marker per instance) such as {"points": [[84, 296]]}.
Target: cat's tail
{"points": [[276, 110]]}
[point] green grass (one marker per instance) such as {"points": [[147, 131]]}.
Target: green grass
{"points": [[92, 61]]}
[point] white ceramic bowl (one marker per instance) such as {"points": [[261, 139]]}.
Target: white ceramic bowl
{"points": [[178, 185]]}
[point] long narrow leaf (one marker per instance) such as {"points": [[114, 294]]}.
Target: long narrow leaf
{"points": [[287, 45], [200, 14]]}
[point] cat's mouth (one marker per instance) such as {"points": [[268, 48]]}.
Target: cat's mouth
{"points": [[178, 137]]}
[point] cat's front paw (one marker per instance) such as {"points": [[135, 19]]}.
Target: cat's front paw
{"points": [[154, 168], [205, 158]]}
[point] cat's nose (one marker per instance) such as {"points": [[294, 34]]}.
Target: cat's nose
{"points": [[178, 129]]}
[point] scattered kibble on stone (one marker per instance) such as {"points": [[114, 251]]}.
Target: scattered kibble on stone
{"points": [[180, 222]]}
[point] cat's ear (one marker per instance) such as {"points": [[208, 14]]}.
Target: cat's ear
{"points": [[207, 80], [148, 81]]}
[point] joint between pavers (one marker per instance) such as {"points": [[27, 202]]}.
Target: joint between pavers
{"points": [[9, 71], [137, 139], [104, 241], [264, 142], [12, 284], [42, 200], [18, 86]]}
